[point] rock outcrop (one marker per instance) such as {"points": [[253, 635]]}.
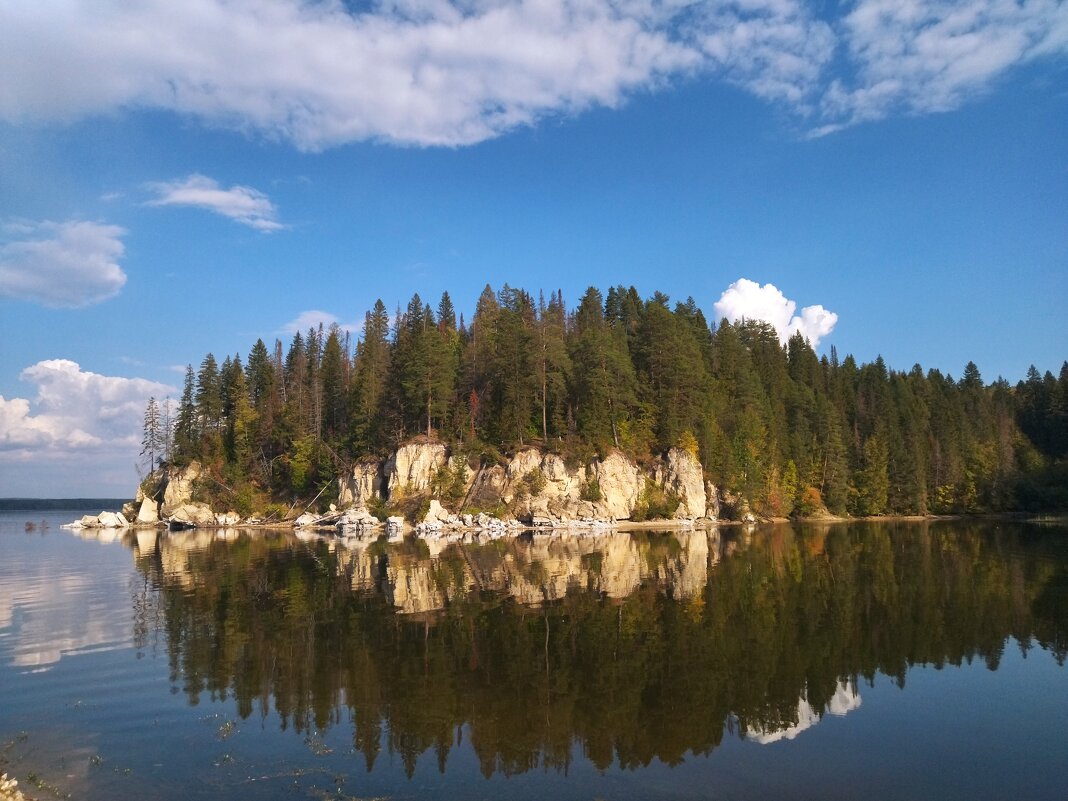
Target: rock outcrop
{"points": [[413, 467], [178, 488], [682, 475], [362, 485]]}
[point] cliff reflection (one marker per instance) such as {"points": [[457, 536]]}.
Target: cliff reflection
{"points": [[634, 646]]}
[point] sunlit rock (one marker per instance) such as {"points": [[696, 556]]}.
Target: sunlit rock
{"points": [[178, 490], [413, 467]]}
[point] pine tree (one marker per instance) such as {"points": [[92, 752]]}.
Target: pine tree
{"points": [[152, 440], [186, 430]]}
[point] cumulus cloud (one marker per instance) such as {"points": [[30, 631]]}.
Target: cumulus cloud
{"points": [[242, 204], [68, 264], [313, 318], [745, 299], [75, 410]]}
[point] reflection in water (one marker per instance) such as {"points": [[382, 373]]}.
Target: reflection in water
{"points": [[845, 700], [49, 611], [632, 646]]}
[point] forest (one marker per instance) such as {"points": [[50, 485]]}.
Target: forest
{"points": [[793, 432]]}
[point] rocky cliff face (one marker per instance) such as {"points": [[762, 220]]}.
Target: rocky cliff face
{"points": [[535, 487], [360, 486], [413, 467], [682, 475]]}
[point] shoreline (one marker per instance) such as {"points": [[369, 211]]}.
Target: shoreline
{"points": [[500, 527]]}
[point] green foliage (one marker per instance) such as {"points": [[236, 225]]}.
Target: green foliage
{"points": [[535, 481], [619, 372], [655, 503], [591, 491]]}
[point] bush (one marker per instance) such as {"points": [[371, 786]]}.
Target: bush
{"points": [[811, 502], [655, 503], [535, 481], [591, 491]]}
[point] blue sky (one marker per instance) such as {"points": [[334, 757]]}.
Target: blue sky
{"points": [[184, 178]]}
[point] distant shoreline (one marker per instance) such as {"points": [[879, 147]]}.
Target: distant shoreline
{"points": [[58, 504]]}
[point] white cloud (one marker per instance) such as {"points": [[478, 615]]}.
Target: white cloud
{"points": [[75, 410], [68, 264], [745, 299], [933, 56], [455, 72], [426, 72], [240, 203], [313, 318]]}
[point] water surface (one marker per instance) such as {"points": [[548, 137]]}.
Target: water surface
{"points": [[890, 661]]}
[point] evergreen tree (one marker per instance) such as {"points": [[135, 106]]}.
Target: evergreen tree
{"points": [[152, 440], [186, 430]]}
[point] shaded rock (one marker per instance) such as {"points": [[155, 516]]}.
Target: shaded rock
{"points": [[362, 485], [711, 501]]}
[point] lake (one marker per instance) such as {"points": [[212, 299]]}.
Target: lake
{"points": [[835, 661]]}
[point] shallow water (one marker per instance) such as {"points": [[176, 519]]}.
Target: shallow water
{"points": [[908, 660]]}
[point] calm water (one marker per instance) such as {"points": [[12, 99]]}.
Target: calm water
{"points": [[845, 661]]}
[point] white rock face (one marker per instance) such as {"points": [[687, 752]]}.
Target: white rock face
{"points": [[361, 486], [682, 475], [621, 484], [179, 489], [148, 511], [413, 467]]}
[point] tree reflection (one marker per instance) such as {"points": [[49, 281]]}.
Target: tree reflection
{"points": [[632, 647]]}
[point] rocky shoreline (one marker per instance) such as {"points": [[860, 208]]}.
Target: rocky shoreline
{"points": [[423, 487]]}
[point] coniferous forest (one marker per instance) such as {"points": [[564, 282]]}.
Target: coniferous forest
{"points": [[791, 431]]}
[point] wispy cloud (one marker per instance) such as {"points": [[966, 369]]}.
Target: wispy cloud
{"points": [[242, 204], [745, 299], [68, 264], [455, 72], [931, 56]]}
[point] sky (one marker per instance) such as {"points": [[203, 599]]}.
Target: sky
{"points": [[889, 177]]}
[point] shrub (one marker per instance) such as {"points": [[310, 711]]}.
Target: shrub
{"points": [[535, 481], [591, 491]]}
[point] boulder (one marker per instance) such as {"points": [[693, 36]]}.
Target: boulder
{"points": [[227, 519], [359, 519], [306, 519], [196, 514], [148, 512], [413, 467], [112, 520]]}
